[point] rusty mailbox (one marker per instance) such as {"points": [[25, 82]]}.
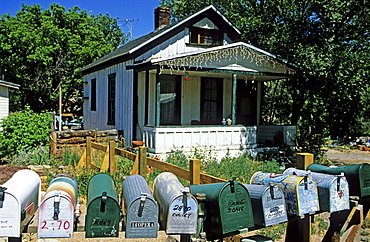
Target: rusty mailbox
{"points": [[103, 213], [268, 204], [19, 200], [333, 189], [177, 207], [301, 195], [141, 209], [56, 212], [358, 176], [227, 206]]}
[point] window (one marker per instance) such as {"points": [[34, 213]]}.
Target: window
{"points": [[211, 37], [211, 101], [93, 95], [111, 99], [170, 100]]}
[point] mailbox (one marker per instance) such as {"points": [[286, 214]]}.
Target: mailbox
{"points": [[358, 176], [227, 206], [103, 212], [141, 209], [56, 212], [19, 200], [301, 195], [177, 207], [268, 204], [333, 189]]}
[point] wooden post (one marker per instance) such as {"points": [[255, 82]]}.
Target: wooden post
{"points": [[60, 107], [304, 160], [142, 161], [112, 163], [88, 152], [194, 171], [53, 143], [300, 229]]}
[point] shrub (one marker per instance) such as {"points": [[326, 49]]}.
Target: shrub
{"points": [[24, 130]]}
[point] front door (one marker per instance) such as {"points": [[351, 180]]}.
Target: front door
{"points": [[246, 103]]}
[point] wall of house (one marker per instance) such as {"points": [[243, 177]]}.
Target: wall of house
{"points": [[4, 101], [124, 100]]}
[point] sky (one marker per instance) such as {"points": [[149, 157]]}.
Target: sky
{"points": [[137, 15]]}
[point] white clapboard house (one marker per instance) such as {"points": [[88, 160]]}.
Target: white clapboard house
{"points": [[173, 87], [4, 96]]}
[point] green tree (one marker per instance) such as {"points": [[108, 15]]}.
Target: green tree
{"points": [[328, 41], [42, 49]]}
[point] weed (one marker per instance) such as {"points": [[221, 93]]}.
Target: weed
{"points": [[274, 232]]}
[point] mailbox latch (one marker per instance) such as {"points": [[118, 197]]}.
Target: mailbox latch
{"points": [[142, 203], [103, 202], [56, 205], [2, 196], [185, 198]]}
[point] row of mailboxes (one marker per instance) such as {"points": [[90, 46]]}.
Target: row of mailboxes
{"points": [[18, 202], [57, 209], [358, 177], [333, 189]]}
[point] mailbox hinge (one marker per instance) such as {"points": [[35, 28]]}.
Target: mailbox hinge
{"points": [[56, 205], [2, 196], [103, 202], [142, 203]]}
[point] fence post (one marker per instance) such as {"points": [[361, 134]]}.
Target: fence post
{"points": [[194, 171], [112, 163], [304, 160], [88, 152], [142, 161]]}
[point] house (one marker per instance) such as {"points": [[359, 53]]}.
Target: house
{"points": [[175, 86], [4, 96]]}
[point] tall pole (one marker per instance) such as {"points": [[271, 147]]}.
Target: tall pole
{"points": [[60, 108]]}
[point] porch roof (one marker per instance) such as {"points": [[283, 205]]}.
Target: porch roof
{"points": [[238, 57]]}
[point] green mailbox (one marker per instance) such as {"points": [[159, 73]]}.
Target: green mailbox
{"points": [[103, 212], [228, 208], [358, 176]]}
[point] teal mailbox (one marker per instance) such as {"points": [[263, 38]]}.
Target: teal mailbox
{"points": [[103, 212], [227, 206]]}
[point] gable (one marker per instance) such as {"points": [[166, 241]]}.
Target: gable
{"points": [[205, 23]]}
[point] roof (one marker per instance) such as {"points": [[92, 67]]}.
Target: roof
{"points": [[141, 42], [9, 84]]}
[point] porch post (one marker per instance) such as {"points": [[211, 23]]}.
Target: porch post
{"points": [[147, 83], [233, 101], [259, 101], [158, 100]]}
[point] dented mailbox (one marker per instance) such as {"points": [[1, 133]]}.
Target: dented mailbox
{"points": [[268, 204], [227, 206], [141, 209], [103, 212], [358, 176], [301, 195], [56, 212], [177, 207], [333, 189], [19, 200]]}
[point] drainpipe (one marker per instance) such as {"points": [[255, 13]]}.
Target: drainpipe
{"points": [[233, 101]]}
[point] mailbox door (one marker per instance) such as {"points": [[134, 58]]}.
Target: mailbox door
{"points": [[60, 226], [142, 219], [182, 219], [308, 198], [235, 208], [10, 217], [102, 221], [273, 203], [364, 174], [338, 195]]}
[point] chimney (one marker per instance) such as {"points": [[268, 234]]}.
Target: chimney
{"points": [[161, 17]]}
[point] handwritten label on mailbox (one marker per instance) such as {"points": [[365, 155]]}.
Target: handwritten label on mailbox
{"points": [[182, 218]]}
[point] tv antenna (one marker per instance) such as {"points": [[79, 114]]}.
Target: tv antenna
{"points": [[128, 22]]}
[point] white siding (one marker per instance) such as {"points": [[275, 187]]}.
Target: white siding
{"points": [[4, 102]]}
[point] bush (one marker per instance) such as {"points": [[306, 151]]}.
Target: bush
{"points": [[24, 130]]}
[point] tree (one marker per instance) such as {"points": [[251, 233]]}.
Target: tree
{"points": [[328, 41], [42, 50]]}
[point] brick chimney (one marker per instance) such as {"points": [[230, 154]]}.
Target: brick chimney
{"points": [[161, 17]]}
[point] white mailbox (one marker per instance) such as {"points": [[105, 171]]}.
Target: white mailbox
{"points": [[19, 200], [56, 213]]}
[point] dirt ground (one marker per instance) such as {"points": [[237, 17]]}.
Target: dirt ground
{"points": [[338, 157]]}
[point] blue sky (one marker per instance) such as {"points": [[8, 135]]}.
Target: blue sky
{"points": [[136, 13]]}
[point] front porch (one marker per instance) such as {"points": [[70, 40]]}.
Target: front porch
{"points": [[221, 139]]}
